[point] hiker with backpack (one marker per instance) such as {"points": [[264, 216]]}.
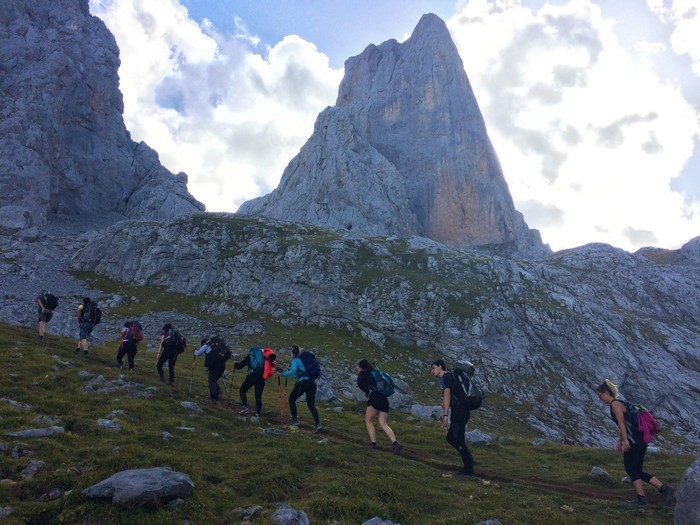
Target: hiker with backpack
{"points": [[130, 334], [172, 344], [454, 408], [632, 444], [46, 303], [88, 316], [261, 363], [306, 369], [216, 354], [377, 405]]}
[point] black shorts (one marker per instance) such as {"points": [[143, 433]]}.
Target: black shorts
{"points": [[378, 402], [44, 315]]}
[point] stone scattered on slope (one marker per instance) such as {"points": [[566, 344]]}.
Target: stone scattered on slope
{"points": [[687, 511], [142, 487]]}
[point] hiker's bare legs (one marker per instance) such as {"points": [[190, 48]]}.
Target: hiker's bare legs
{"points": [[387, 430], [370, 414]]}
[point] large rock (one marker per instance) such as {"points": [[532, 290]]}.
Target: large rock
{"points": [[142, 487], [687, 510], [403, 152], [64, 148], [569, 320]]}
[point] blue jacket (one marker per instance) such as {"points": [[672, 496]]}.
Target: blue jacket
{"points": [[296, 370]]}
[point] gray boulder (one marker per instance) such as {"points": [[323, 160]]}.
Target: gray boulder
{"points": [[687, 511], [142, 487], [286, 515], [404, 152]]}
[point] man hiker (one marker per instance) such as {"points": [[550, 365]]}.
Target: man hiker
{"points": [[46, 303], [458, 415], [86, 323]]}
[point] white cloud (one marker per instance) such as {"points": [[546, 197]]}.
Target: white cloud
{"points": [[581, 125], [588, 135], [684, 15], [210, 105]]}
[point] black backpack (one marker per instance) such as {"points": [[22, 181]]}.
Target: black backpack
{"points": [[219, 353], [91, 313], [468, 392], [175, 341], [49, 300]]}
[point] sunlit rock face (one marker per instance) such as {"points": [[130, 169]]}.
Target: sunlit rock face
{"points": [[403, 152]]}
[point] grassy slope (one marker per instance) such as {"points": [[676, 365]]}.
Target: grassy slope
{"points": [[241, 466]]}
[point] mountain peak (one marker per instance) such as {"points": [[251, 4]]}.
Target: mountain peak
{"points": [[403, 152]]}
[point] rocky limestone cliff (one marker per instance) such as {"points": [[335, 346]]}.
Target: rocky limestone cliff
{"points": [[544, 333], [64, 149], [403, 152]]}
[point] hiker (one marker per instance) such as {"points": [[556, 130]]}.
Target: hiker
{"points": [[215, 366], [256, 363], [458, 415], [170, 347], [86, 323], [304, 385], [45, 310], [377, 406], [130, 334], [632, 445]]}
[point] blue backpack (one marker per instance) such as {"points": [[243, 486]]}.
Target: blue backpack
{"points": [[312, 368], [256, 359], [385, 385]]}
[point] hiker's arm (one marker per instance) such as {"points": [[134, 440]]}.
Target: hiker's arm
{"points": [[40, 303], [446, 400], [79, 311], [240, 364], [293, 371], [202, 350]]}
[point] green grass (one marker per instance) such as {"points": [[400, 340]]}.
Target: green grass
{"points": [[234, 465]]}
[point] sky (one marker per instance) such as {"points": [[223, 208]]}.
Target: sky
{"points": [[593, 107]]}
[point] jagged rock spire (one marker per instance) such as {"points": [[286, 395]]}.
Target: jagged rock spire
{"points": [[403, 152]]}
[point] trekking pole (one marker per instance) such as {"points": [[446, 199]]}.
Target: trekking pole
{"points": [[279, 395], [192, 377], [230, 387]]}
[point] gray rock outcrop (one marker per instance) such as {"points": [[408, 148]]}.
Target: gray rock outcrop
{"points": [[687, 511], [569, 320], [142, 487], [64, 149], [403, 152]]}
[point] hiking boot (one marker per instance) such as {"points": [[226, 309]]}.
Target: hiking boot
{"points": [[466, 473], [668, 491], [119, 365], [396, 447], [318, 428], [639, 501], [40, 337], [85, 353], [372, 446], [77, 350], [293, 422], [244, 411]]}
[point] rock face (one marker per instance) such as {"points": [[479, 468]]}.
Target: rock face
{"points": [[64, 149], [403, 152], [567, 321]]}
